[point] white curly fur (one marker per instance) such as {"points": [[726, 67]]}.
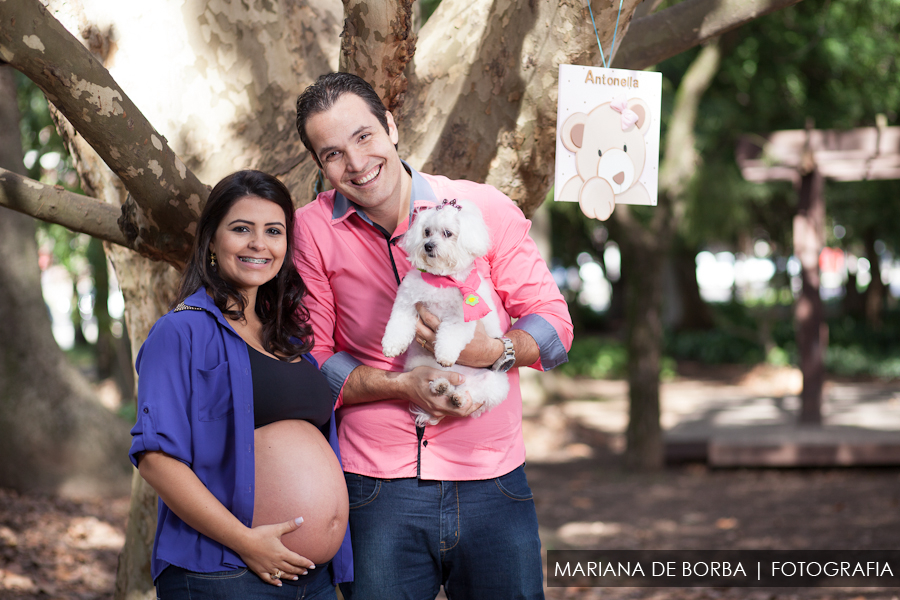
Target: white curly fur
{"points": [[445, 242]]}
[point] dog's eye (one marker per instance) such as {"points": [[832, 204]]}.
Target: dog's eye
{"points": [[599, 152], [448, 233], [427, 232]]}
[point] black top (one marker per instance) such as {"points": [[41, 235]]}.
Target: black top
{"points": [[283, 390]]}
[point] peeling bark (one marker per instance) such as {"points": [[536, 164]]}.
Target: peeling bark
{"points": [[482, 100], [34, 42], [377, 43]]}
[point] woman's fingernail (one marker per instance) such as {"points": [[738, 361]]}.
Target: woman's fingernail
{"points": [[294, 578], [312, 566], [304, 572], [298, 520]]}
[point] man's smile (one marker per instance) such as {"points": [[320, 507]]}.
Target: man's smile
{"points": [[367, 177]]}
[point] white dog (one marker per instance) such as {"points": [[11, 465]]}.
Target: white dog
{"points": [[443, 244]]}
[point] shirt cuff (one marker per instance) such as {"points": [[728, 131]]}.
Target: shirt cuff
{"points": [[336, 370], [553, 353]]}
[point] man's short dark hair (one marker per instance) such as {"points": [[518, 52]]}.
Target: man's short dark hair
{"points": [[323, 94]]}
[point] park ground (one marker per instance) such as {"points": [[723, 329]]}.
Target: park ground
{"points": [[54, 547]]}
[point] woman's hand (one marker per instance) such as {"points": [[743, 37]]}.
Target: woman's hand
{"points": [[259, 547], [262, 551]]}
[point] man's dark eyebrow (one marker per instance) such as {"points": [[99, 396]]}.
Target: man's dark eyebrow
{"points": [[327, 149]]}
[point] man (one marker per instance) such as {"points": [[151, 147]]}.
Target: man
{"points": [[449, 503]]}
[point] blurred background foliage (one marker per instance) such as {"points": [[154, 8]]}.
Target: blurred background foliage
{"points": [[832, 64]]}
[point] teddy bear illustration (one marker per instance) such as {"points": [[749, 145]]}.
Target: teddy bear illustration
{"points": [[610, 151]]}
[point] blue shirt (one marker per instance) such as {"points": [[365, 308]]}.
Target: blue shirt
{"points": [[195, 403]]}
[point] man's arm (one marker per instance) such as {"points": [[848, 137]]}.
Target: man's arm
{"points": [[368, 384], [483, 351]]}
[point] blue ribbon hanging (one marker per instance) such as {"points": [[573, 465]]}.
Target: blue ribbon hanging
{"points": [[615, 32]]}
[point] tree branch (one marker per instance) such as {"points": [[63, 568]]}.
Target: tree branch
{"points": [[377, 43], [168, 196], [483, 94], [57, 205], [654, 38]]}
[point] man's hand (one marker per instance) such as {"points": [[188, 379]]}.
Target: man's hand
{"points": [[481, 352], [419, 392]]}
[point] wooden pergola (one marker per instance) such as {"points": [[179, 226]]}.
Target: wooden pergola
{"points": [[807, 157]]}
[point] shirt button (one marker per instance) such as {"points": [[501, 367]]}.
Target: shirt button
{"points": [[425, 443], [146, 410]]}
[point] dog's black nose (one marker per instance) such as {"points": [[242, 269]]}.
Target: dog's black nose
{"points": [[429, 248]]}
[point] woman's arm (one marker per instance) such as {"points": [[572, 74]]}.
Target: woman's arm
{"points": [[259, 547]]}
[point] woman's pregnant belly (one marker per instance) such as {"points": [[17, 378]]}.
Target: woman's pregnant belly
{"points": [[298, 475]]}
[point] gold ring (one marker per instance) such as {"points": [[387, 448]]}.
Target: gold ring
{"points": [[277, 574], [422, 342]]}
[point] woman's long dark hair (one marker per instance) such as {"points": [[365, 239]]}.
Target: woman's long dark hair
{"points": [[286, 332]]}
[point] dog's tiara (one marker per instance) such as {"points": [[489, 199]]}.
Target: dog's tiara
{"points": [[444, 203], [448, 203]]}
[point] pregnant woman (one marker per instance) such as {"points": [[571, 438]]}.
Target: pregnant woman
{"points": [[235, 427]]}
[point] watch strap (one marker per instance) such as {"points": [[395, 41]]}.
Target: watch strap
{"points": [[507, 359]]}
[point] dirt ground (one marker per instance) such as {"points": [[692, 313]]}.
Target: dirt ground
{"points": [[57, 548]]}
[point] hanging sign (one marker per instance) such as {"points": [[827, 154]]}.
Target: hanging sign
{"points": [[607, 144]]}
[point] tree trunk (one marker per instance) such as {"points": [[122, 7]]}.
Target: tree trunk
{"points": [[149, 288], [55, 437], [809, 314], [643, 261], [643, 249]]}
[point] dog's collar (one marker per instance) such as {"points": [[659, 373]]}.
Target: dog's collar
{"points": [[474, 306]]}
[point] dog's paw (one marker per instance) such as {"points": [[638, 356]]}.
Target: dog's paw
{"points": [[392, 349], [439, 387], [455, 399], [445, 356]]}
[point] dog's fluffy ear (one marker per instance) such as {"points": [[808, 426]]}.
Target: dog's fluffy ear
{"points": [[413, 235], [473, 232]]}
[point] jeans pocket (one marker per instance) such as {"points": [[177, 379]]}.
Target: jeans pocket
{"points": [[515, 485], [361, 490]]}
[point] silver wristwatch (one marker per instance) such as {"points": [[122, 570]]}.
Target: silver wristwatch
{"points": [[507, 359]]}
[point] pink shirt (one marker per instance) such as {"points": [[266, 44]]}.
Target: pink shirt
{"points": [[348, 266]]}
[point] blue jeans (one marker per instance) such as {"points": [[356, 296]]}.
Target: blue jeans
{"points": [[175, 583], [479, 539]]}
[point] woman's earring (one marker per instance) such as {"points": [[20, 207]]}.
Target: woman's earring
{"points": [[212, 260]]}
